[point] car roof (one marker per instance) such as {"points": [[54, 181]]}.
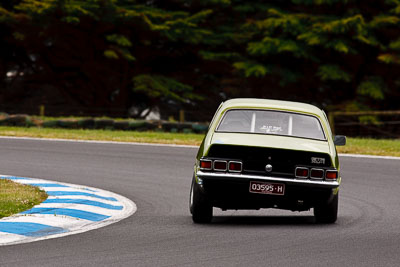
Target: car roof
{"points": [[272, 104]]}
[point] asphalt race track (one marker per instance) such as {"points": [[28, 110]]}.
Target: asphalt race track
{"points": [[161, 232]]}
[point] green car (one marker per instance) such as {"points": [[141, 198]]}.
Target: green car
{"points": [[261, 153]]}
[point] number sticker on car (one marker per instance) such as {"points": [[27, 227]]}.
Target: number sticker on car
{"points": [[267, 188]]}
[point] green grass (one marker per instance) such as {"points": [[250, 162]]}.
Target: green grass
{"points": [[104, 135], [15, 197], [49, 118], [367, 146]]}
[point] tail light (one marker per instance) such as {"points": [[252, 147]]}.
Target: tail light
{"points": [[317, 174], [220, 165], [301, 172], [331, 175], [235, 166], [205, 164]]}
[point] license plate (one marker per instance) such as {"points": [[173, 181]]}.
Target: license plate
{"points": [[267, 188]]}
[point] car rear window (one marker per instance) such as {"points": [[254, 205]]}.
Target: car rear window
{"points": [[271, 122]]}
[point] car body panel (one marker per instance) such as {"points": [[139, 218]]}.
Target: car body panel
{"points": [[273, 141], [264, 104]]}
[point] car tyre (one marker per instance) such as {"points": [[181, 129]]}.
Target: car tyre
{"points": [[201, 209], [327, 213]]}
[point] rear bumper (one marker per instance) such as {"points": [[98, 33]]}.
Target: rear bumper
{"points": [[231, 191], [287, 181]]}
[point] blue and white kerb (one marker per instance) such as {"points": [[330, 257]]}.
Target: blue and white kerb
{"points": [[69, 209]]}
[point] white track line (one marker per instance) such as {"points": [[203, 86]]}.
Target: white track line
{"points": [[368, 156], [165, 145], [96, 142]]}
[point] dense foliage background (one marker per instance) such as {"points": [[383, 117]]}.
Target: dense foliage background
{"points": [[120, 57]]}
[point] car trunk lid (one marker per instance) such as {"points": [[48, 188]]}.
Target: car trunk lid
{"points": [[271, 141]]}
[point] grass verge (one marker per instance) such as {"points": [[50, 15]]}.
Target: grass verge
{"points": [[366, 146], [15, 197], [104, 135]]}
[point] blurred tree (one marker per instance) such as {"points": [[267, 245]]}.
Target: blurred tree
{"points": [[326, 51], [114, 54], [95, 53]]}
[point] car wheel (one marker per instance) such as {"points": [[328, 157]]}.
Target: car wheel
{"points": [[327, 213], [201, 209]]}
